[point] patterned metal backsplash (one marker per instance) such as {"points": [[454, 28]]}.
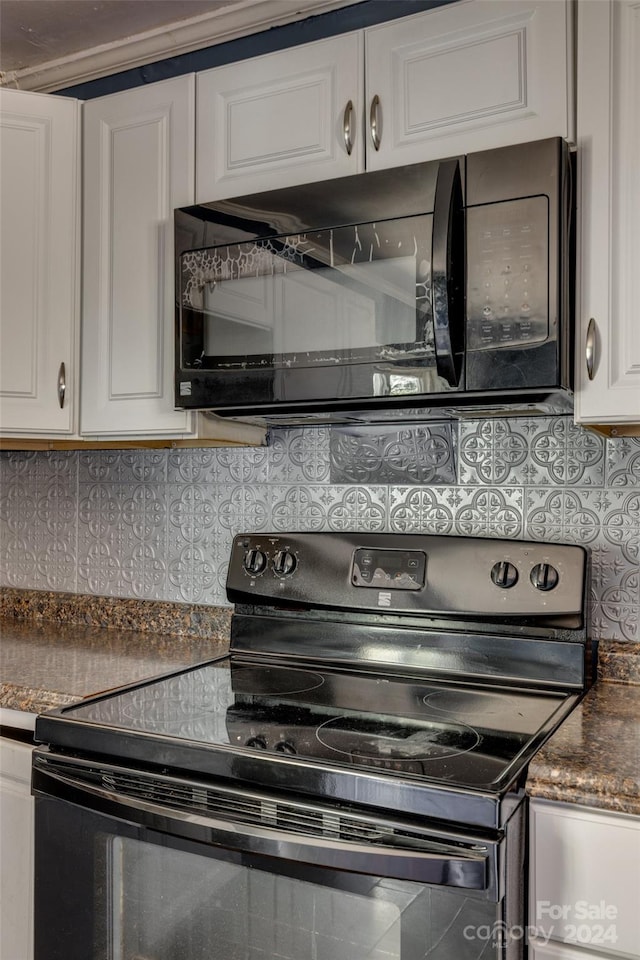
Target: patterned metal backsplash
{"points": [[158, 524]]}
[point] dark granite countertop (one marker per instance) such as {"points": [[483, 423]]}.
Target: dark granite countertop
{"points": [[44, 665], [56, 649], [594, 757], [59, 648]]}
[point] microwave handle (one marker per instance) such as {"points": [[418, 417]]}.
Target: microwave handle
{"points": [[447, 272], [466, 869]]}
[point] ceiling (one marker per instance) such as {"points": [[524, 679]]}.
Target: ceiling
{"points": [[32, 32], [45, 44]]}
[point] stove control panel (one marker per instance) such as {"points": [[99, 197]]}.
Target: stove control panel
{"points": [[389, 569], [412, 573]]}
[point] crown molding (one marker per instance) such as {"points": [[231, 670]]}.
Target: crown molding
{"points": [[209, 29]]}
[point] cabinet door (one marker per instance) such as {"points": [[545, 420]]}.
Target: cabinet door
{"points": [[585, 878], [468, 76], [279, 119], [39, 183], [16, 844], [138, 166], [543, 950], [609, 208]]}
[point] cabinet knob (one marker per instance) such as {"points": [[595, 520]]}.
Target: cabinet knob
{"points": [[62, 385], [375, 122], [346, 127], [590, 349]]}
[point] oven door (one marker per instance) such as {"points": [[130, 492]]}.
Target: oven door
{"points": [[142, 866]]}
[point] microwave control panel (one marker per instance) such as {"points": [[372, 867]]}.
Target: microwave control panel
{"points": [[508, 274]]}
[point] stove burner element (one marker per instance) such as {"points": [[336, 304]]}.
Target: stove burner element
{"points": [[479, 704], [274, 681], [364, 738]]}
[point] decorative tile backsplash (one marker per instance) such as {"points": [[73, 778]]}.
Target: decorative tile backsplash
{"points": [[158, 524]]}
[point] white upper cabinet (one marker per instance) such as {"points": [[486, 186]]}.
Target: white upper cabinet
{"points": [[608, 351], [284, 118], [138, 166], [468, 76], [39, 183], [459, 78]]}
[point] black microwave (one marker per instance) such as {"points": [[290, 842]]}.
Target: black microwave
{"points": [[431, 288]]}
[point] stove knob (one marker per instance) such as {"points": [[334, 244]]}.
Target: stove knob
{"points": [[284, 563], [504, 574], [285, 746], [258, 742], [544, 577], [254, 561]]}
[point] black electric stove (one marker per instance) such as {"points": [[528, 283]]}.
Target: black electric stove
{"points": [[399, 672]]}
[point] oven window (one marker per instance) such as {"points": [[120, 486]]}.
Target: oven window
{"points": [[349, 294], [168, 903]]}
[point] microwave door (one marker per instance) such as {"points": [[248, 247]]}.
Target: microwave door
{"points": [[329, 314]]}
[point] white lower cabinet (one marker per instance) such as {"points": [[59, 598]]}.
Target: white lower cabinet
{"points": [[39, 282], [540, 950], [584, 883], [16, 851]]}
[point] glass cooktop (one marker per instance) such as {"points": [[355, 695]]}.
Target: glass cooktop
{"points": [[464, 735]]}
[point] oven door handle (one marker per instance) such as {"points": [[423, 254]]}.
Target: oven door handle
{"points": [[468, 869]]}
